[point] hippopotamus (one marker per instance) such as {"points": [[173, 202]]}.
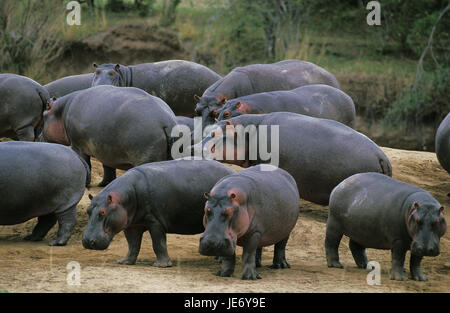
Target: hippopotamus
{"points": [[22, 102], [174, 81], [318, 153], [187, 121], [313, 100], [41, 180], [442, 141], [377, 211], [254, 208], [256, 78], [121, 127], [161, 197], [69, 84]]}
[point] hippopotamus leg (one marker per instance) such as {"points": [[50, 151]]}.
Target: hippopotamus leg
{"points": [[258, 257], [414, 267], [227, 268], [359, 254], [134, 239], [44, 224], [26, 133], [109, 174], [158, 235], [279, 255], [398, 260], [249, 256], [66, 221], [332, 240]]}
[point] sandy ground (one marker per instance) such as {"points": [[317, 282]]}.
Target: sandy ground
{"points": [[37, 267]]}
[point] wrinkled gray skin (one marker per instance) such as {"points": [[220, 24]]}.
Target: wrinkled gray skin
{"points": [[161, 197], [256, 78], [376, 211], [318, 153], [253, 209], [321, 101], [174, 81], [41, 180], [22, 102], [443, 143], [121, 127], [69, 84]]}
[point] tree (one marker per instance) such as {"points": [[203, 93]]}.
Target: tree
{"points": [[168, 12]]}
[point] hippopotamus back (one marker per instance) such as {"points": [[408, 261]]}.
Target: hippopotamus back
{"points": [[69, 84], [443, 143]]}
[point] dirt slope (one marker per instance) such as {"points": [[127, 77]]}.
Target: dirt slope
{"points": [[36, 267]]}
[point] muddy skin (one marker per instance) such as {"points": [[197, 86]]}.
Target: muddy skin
{"points": [[321, 101], [139, 134], [256, 78], [22, 103], [65, 85], [253, 209], [177, 82], [161, 197], [376, 211], [44, 181], [305, 146]]}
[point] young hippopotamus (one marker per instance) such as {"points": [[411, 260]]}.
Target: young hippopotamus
{"points": [[41, 180], [376, 211], [22, 102], [318, 153], [319, 100], [254, 208], [121, 127], [256, 78], [161, 197], [176, 82]]}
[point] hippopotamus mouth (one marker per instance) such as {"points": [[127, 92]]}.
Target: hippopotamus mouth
{"points": [[96, 242], [216, 247], [419, 249]]}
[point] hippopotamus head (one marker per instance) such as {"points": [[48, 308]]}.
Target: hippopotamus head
{"points": [[226, 219], [108, 74], [208, 108], [231, 109], [425, 224], [107, 217], [53, 129], [221, 136]]}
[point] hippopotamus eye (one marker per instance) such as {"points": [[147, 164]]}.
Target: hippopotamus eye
{"points": [[227, 114]]}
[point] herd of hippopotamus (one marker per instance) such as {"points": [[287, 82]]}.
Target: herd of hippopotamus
{"points": [[123, 116]]}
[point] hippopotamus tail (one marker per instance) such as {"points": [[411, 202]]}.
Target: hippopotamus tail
{"points": [[44, 98], [386, 168], [88, 170]]}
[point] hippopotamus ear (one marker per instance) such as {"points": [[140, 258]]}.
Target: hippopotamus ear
{"points": [[238, 104], [117, 67], [196, 98], [94, 65], [228, 123], [206, 195], [441, 210], [113, 198]]}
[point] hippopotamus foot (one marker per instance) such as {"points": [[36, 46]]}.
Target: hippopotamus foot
{"points": [[258, 257], [398, 260], [249, 258], [332, 241], [159, 244], [359, 254], [163, 263], [414, 267], [45, 223], [67, 221], [109, 174], [227, 268], [279, 255], [133, 235]]}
